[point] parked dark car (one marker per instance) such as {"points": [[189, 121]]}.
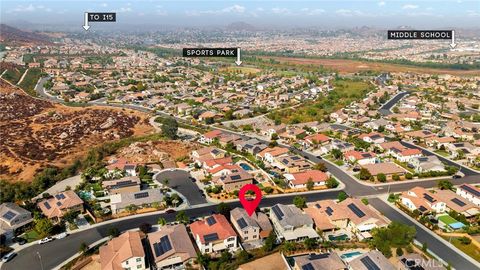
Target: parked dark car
{"points": [[19, 240], [170, 211]]}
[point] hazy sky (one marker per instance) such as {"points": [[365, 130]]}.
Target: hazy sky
{"points": [[457, 13]]}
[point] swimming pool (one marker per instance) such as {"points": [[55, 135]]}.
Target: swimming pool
{"points": [[351, 254], [341, 237], [245, 166]]}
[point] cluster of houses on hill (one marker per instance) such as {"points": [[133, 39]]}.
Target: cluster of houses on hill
{"points": [[277, 159]]}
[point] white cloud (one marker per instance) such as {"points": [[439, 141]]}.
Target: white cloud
{"points": [[29, 8], [124, 10], [160, 11], [231, 9], [104, 5], [312, 12], [281, 11], [382, 3], [410, 6], [473, 13]]}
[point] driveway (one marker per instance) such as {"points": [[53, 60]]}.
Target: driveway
{"points": [[180, 181]]}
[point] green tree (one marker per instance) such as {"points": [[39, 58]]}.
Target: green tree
{"points": [[382, 177], [336, 153], [203, 259], [182, 217], [224, 209], [320, 166], [161, 221], [331, 182], [408, 176], [288, 246], [364, 174], [300, 202], [83, 248], [444, 184], [399, 252], [269, 243], [70, 216], [310, 184], [310, 243], [170, 127], [131, 208], [397, 235], [365, 201], [43, 226], [342, 196], [396, 177]]}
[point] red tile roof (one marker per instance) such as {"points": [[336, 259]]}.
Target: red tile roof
{"points": [[221, 227]]}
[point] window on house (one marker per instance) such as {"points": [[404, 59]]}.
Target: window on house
{"points": [[139, 259]]}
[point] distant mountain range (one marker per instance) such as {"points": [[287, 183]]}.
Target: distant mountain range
{"points": [[14, 36]]}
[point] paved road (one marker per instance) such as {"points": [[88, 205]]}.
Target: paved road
{"points": [[179, 180], [445, 252], [385, 109]]}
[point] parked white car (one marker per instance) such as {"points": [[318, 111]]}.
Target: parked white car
{"points": [[45, 240], [8, 257], [62, 235]]}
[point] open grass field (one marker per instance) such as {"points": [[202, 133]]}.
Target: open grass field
{"points": [[241, 69], [352, 66], [31, 78], [344, 92]]}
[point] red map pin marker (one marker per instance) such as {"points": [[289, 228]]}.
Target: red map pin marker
{"points": [[250, 205]]}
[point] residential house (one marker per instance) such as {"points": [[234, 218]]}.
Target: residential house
{"points": [[373, 259], [462, 149], [13, 217], [389, 169], [122, 165], [214, 234], [291, 164], [250, 228], [123, 252], [269, 154], [234, 179], [291, 224], [56, 206], [469, 192], [315, 140], [427, 164], [418, 198], [210, 136], [269, 130], [300, 179], [361, 158], [325, 261], [123, 185], [458, 204], [171, 247], [414, 261], [372, 137], [120, 201]]}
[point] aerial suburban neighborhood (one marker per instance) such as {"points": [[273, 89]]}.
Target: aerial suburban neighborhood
{"points": [[121, 151]]}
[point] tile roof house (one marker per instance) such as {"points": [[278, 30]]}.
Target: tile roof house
{"points": [[427, 164], [171, 247], [234, 179], [361, 158], [415, 261], [350, 214], [118, 202], [268, 154], [315, 140], [214, 234], [291, 164], [250, 228], [56, 206], [469, 192], [290, 223], [123, 165], [210, 136], [418, 198], [325, 261], [123, 252], [458, 204], [372, 137], [387, 168], [300, 179], [373, 259], [124, 184], [13, 217]]}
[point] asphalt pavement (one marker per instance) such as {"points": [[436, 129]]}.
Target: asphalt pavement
{"points": [[181, 182], [385, 108]]}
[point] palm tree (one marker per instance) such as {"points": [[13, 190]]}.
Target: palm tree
{"points": [[83, 248], [162, 221]]}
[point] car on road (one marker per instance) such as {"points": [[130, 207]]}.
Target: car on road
{"points": [[62, 235], [19, 240], [193, 179], [45, 240], [8, 257], [170, 211]]}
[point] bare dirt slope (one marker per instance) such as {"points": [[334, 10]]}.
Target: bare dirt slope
{"points": [[36, 133]]}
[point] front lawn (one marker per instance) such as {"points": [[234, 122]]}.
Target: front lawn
{"points": [[31, 236], [470, 249]]}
